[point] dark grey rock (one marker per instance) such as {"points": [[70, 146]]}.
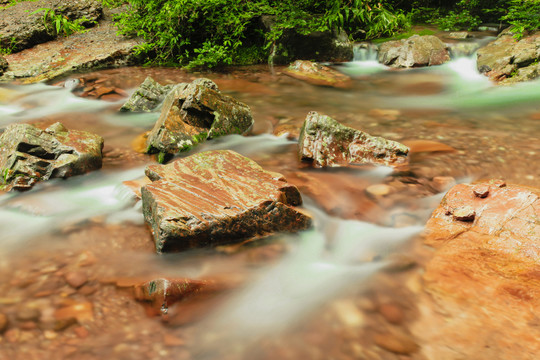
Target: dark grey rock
{"points": [[29, 154], [148, 96], [321, 46]]}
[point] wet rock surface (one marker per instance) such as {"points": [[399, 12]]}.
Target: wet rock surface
{"points": [[317, 45], [147, 97], [317, 74], [29, 154], [415, 51], [3, 65], [193, 113], [325, 142], [483, 274], [217, 197], [99, 47], [22, 25], [508, 61]]}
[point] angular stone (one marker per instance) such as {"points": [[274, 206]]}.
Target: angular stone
{"points": [[193, 113], [317, 74], [415, 51], [162, 293], [148, 96], [325, 142], [217, 197], [29, 154], [458, 35]]}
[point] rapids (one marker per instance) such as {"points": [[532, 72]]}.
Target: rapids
{"points": [[494, 131]]}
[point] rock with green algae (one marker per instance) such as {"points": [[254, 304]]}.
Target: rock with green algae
{"points": [[148, 96], [215, 198], [325, 142], [193, 113], [29, 154]]}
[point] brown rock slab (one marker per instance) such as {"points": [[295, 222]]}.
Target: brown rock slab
{"points": [[3, 322], [217, 197], [162, 293], [418, 146], [82, 312], [397, 342], [483, 281], [325, 142], [317, 74]]}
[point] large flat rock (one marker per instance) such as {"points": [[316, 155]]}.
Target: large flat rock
{"points": [[99, 47], [217, 197], [483, 282], [416, 51]]}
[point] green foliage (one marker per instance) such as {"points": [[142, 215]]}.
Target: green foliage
{"points": [[111, 4], [370, 18], [60, 24], [523, 16], [6, 50], [210, 33]]}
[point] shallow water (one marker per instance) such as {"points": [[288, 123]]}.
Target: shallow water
{"points": [[290, 283]]}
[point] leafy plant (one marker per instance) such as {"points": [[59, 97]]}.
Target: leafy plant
{"points": [[523, 16], [6, 50], [60, 24]]}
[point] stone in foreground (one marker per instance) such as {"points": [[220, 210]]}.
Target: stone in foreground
{"points": [[193, 113], [483, 276], [325, 142], [147, 97], [415, 51], [29, 154], [217, 197], [317, 74]]}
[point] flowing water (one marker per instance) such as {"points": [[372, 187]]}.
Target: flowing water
{"points": [[311, 295]]}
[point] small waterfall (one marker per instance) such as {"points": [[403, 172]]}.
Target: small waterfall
{"points": [[365, 52]]}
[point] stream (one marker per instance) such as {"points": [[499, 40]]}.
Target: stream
{"points": [[310, 295]]}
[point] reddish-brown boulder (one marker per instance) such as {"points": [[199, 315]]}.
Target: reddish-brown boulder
{"points": [[317, 74], [325, 142], [483, 282], [217, 197]]}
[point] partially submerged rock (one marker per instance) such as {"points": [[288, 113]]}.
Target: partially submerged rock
{"points": [[415, 51], [217, 197], [148, 96], [484, 275], [162, 293], [29, 154], [317, 74], [325, 142], [507, 61], [22, 25], [193, 113]]}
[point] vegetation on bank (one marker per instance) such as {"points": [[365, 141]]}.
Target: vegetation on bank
{"points": [[209, 33]]}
